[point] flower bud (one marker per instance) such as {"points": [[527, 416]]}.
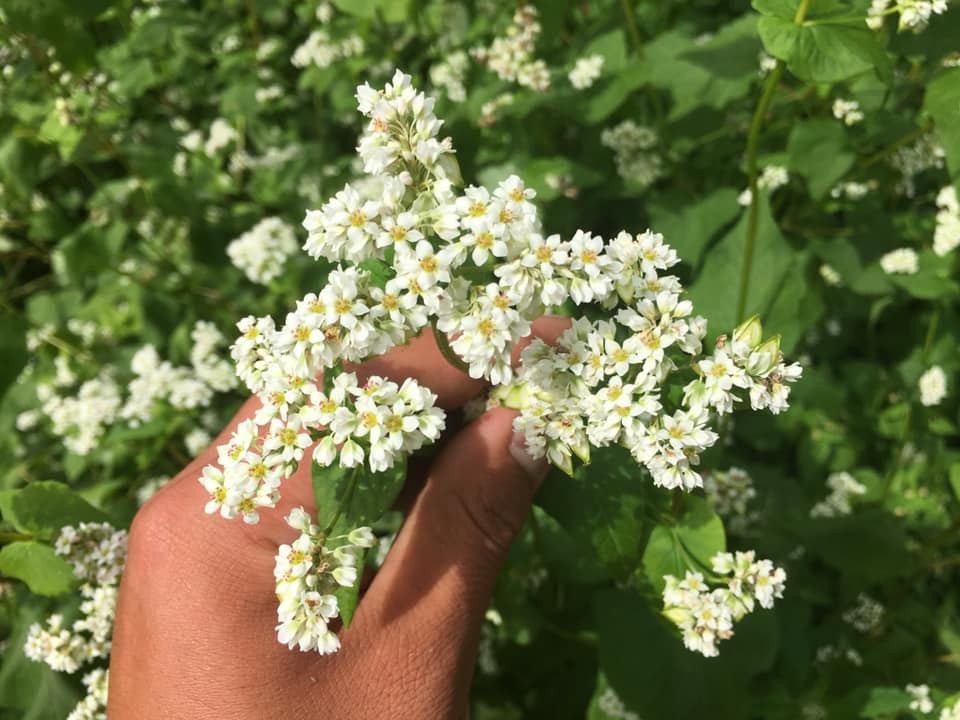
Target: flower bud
{"points": [[362, 537], [749, 332], [765, 357]]}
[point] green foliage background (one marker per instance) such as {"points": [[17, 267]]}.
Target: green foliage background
{"points": [[96, 225]]}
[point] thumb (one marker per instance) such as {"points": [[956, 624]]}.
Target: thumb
{"points": [[432, 591]]}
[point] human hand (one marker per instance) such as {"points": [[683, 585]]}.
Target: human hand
{"points": [[194, 633]]}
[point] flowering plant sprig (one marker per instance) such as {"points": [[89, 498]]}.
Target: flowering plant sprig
{"points": [[410, 250], [706, 616]]}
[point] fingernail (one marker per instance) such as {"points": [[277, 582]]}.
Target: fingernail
{"points": [[535, 467]]}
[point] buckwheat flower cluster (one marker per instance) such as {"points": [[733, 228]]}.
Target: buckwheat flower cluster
{"points": [[97, 552], [933, 386], [510, 55], [915, 15], [81, 420], [94, 704], [308, 573], [911, 160], [866, 615], [843, 488], [848, 111], [320, 50], [946, 236], [634, 152], [920, 698], [902, 261], [729, 493], [850, 190], [611, 705], [706, 616], [262, 251], [185, 388], [771, 178], [449, 75], [585, 71], [951, 712], [411, 248]]}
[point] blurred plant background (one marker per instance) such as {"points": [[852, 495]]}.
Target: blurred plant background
{"points": [[157, 159]]}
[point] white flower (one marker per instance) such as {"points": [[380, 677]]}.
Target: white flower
{"points": [[586, 71], [946, 236], [843, 487], [920, 695], [902, 261], [262, 251], [848, 111], [933, 386]]}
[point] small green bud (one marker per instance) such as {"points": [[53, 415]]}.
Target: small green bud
{"points": [[763, 359], [749, 332]]}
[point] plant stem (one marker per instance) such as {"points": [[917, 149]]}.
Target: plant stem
{"points": [[753, 140], [448, 352], [631, 19]]}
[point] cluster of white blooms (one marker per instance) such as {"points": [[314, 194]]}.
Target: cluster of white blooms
{"points": [[933, 386], [771, 178], [97, 552], [866, 615], [81, 420], [634, 152], [320, 50], [843, 487], [263, 249], [902, 261], [850, 190], [610, 704], [830, 276], [449, 74], [219, 136], [766, 63], [510, 55], [729, 493], [585, 71], [411, 249], [848, 111], [951, 712], [911, 160], [946, 236], [94, 704], [705, 616], [185, 388], [914, 14], [828, 653], [308, 573], [920, 698]]}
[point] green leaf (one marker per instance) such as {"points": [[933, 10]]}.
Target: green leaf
{"points": [[823, 53], [42, 508], [613, 92], [714, 292], [347, 597], [687, 544], [604, 506], [689, 225], [364, 495], [44, 572], [884, 701], [942, 102], [613, 47], [13, 349], [820, 152], [693, 81], [380, 272], [955, 479], [358, 8], [645, 662], [65, 136]]}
